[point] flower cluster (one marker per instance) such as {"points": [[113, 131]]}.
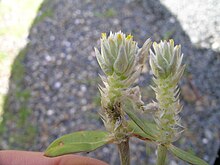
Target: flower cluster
{"points": [[165, 63], [122, 61]]}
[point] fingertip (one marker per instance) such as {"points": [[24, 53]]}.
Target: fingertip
{"points": [[11, 157], [79, 160]]}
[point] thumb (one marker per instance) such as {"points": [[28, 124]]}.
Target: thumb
{"points": [[12, 157]]}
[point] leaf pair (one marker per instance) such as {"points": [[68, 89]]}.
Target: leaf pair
{"points": [[142, 128], [148, 130], [86, 141]]}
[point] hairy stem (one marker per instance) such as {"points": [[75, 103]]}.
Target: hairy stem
{"points": [[124, 153], [161, 154]]}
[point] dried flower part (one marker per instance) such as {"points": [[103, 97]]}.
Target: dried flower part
{"points": [[121, 60], [165, 63]]}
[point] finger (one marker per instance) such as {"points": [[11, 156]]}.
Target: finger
{"points": [[11, 157], [78, 160]]}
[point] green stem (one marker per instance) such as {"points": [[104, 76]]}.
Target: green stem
{"points": [[161, 154], [124, 152]]}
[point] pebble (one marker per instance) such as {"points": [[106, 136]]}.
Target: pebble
{"points": [[57, 85], [205, 141], [83, 88], [50, 112]]}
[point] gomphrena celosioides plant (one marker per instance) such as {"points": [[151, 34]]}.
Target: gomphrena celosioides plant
{"points": [[167, 69], [122, 61]]}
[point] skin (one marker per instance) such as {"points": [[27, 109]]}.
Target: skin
{"points": [[12, 157]]}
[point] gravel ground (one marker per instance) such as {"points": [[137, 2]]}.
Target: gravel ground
{"points": [[62, 74]]}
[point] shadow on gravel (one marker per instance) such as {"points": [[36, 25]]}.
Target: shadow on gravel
{"points": [[73, 28]]}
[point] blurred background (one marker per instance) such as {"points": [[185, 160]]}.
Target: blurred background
{"points": [[49, 74]]}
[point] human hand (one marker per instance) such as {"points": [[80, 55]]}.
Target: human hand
{"points": [[13, 157]]}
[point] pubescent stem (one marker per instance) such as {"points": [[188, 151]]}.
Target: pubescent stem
{"points": [[161, 154], [124, 152]]}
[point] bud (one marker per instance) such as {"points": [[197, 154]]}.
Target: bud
{"points": [[166, 66]]}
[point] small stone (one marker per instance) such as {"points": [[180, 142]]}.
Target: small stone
{"points": [[52, 38], [83, 88], [84, 108], [206, 158], [86, 28], [48, 58], [47, 99], [66, 43], [83, 101], [50, 112], [72, 111], [116, 21], [62, 55], [172, 20], [59, 62], [173, 162], [79, 21], [57, 85], [105, 150], [205, 141], [63, 129], [69, 57]]}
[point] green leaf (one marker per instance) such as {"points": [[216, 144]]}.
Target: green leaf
{"points": [[83, 141], [186, 156], [148, 129], [137, 131]]}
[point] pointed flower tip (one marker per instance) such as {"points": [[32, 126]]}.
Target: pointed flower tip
{"points": [[98, 55], [119, 36], [155, 44], [129, 37], [147, 44], [171, 41], [96, 49], [149, 40], [104, 36], [178, 46]]}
